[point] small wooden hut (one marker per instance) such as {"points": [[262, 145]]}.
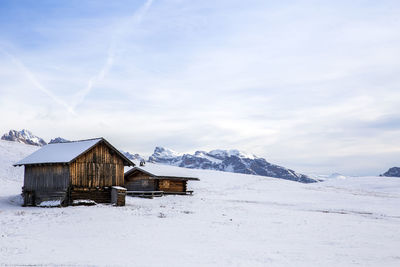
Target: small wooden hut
{"points": [[73, 171], [158, 178]]}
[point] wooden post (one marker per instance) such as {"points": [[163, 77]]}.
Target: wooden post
{"points": [[118, 195]]}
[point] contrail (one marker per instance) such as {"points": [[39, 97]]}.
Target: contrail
{"points": [[135, 19], [32, 78]]}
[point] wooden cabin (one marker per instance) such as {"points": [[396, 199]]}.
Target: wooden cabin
{"points": [[158, 178], [74, 171]]}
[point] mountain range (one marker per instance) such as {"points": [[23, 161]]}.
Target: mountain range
{"points": [[227, 161], [220, 160]]}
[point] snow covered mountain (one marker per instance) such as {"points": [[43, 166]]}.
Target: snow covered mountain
{"points": [[392, 172], [27, 137], [24, 136], [228, 161], [220, 160], [134, 157], [58, 140]]}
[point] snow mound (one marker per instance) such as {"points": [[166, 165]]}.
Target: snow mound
{"points": [[50, 203]]}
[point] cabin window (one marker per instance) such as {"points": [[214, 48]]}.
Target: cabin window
{"points": [[145, 183]]}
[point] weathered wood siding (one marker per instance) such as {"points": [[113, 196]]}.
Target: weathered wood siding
{"points": [[140, 182], [167, 185], [45, 182], [99, 167], [100, 195], [46, 177]]}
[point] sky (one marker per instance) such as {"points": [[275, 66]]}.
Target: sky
{"points": [[310, 85]]}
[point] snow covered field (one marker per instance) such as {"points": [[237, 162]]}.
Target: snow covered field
{"points": [[231, 220]]}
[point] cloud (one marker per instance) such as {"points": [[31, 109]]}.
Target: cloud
{"points": [[298, 83], [386, 122], [132, 22], [32, 78]]}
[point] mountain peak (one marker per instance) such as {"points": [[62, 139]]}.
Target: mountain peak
{"points": [[24, 136], [58, 140], [231, 152], [134, 157], [165, 152], [392, 172]]}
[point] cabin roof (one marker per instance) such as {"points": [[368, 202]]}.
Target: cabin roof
{"points": [[66, 152], [160, 171]]}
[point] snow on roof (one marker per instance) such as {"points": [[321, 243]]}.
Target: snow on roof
{"points": [[160, 170], [59, 152]]}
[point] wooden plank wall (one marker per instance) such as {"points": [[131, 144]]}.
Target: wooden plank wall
{"points": [[46, 178], [136, 176], [121, 198], [97, 195], [99, 167], [45, 182], [167, 185], [141, 185], [118, 196], [140, 182]]}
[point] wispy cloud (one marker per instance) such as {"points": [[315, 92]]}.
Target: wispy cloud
{"points": [[35, 82], [132, 22]]}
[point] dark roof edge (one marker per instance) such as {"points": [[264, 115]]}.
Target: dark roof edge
{"points": [[43, 163], [175, 177]]}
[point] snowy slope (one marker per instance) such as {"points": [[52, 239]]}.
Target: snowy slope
{"points": [[231, 220], [10, 153]]}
